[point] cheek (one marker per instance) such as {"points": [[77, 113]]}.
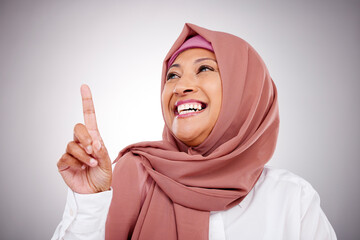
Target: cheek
{"points": [[215, 93], [214, 90], [165, 100]]}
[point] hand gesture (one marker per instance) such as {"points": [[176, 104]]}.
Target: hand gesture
{"points": [[86, 165]]}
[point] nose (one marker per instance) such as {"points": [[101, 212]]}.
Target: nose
{"points": [[184, 86]]}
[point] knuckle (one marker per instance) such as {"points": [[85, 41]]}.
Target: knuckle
{"points": [[65, 157], [82, 134], [88, 111], [59, 163], [62, 160], [70, 146], [78, 126]]}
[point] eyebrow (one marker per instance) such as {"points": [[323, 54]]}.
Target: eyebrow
{"points": [[203, 59], [196, 61], [174, 65]]}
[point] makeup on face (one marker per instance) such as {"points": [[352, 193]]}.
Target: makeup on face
{"points": [[192, 95]]}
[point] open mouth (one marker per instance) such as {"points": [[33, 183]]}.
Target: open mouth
{"points": [[189, 107]]}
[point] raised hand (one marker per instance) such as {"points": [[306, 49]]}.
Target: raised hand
{"points": [[86, 165]]}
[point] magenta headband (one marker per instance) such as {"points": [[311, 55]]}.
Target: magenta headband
{"points": [[194, 42]]}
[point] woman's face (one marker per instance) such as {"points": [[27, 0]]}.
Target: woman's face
{"points": [[192, 95]]}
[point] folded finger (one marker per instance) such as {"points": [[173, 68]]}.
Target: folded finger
{"points": [[82, 136], [76, 151], [67, 161]]}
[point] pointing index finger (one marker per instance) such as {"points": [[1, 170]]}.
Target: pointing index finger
{"points": [[89, 112]]}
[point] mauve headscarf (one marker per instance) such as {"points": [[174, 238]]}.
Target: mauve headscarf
{"points": [[165, 189]]}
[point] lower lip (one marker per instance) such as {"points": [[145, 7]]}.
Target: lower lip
{"points": [[190, 114]]}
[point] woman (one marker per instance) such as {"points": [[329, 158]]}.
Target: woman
{"points": [[207, 178]]}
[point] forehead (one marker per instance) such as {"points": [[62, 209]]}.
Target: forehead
{"points": [[193, 54]]}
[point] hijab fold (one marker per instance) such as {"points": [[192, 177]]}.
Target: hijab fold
{"points": [[166, 189]]}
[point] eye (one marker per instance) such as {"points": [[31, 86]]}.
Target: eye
{"points": [[171, 76], [204, 68]]}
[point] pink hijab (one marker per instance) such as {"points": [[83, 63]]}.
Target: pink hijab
{"points": [[165, 189]]}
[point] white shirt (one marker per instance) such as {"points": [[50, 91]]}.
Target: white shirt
{"points": [[281, 205]]}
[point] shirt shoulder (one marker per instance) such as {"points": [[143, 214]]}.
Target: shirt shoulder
{"points": [[276, 177], [281, 205], [284, 188]]}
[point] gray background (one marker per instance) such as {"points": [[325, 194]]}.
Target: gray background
{"points": [[49, 48]]}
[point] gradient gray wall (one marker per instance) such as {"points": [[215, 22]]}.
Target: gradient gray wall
{"points": [[49, 48]]}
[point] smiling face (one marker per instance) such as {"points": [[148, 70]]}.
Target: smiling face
{"points": [[192, 95]]}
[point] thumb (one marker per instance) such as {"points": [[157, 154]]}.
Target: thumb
{"points": [[101, 154]]}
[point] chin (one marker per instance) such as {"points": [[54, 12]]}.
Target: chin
{"points": [[191, 137]]}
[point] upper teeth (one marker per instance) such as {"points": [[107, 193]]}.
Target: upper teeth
{"points": [[187, 106]]}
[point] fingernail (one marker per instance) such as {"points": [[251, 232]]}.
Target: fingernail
{"points": [[89, 149], [83, 166], [97, 145], [93, 162]]}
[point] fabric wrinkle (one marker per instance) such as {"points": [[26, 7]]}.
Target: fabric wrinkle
{"points": [[189, 182]]}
